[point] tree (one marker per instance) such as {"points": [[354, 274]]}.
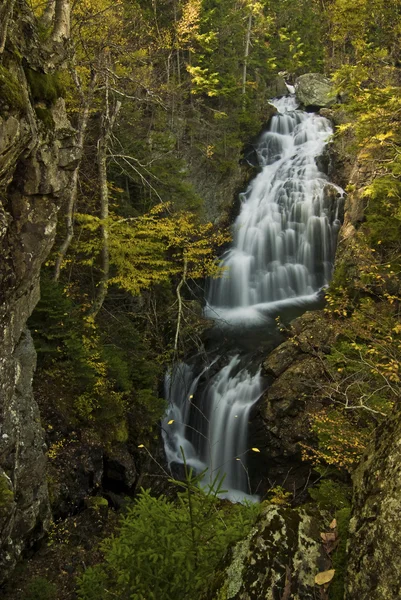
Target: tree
{"points": [[167, 550]]}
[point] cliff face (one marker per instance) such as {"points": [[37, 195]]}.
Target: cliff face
{"points": [[34, 171], [374, 568]]}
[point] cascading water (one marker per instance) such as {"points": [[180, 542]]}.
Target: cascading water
{"points": [[282, 255]]}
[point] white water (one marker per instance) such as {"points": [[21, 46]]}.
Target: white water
{"points": [[282, 254], [211, 432], [284, 237]]}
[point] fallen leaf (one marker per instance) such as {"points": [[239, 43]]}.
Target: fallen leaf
{"points": [[255, 449], [330, 546], [333, 524], [324, 577], [141, 446], [287, 588], [329, 537], [170, 422]]}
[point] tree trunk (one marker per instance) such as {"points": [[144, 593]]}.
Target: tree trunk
{"points": [[180, 304], [247, 44], [6, 14], [48, 15], [61, 31], [73, 187], [102, 146]]}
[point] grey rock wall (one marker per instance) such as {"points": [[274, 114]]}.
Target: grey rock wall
{"points": [[35, 165]]}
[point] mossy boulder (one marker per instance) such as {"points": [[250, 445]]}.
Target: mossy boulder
{"points": [[315, 90], [279, 559]]}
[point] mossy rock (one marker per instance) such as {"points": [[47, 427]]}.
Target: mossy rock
{"points": [[45, 115], [281, 555], [6, 495], [97, 503], [11, 93], [45, 87]]}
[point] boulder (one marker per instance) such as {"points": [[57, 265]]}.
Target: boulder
{"points": [[314, 90], [279, 559]]}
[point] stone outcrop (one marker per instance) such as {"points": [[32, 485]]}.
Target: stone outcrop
{"points": [[314, 90], [283, 415], [35, 163], [374, 546], [279, 559]]}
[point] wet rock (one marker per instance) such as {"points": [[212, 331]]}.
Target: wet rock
{"points": [[289, 393], [281, 420], [314, 90], [279, 559], [374, 546], [312, 332], [281, 358]]}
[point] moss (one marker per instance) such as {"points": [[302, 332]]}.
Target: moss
{"points": [[97, 503], [339, 557], [6, 495], [10, 90], [121, 432], [45, 87], [45, 115]]}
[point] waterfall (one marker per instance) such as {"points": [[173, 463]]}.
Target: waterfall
{"points": [[282, 254]]}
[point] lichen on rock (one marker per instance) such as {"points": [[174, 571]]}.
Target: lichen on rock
{"points": [[281, 555], [315, 90]]}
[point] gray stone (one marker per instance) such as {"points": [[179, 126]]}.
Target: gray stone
{"points": [[278, 559], [374, 546], [281, 358], [314, 90], [33, 178], [23, 460]]}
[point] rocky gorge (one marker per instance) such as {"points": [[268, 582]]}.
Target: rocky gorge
{"points": [[285, 550]]}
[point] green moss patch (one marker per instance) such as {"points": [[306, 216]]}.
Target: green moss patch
{"points": [[10, 90], [6, 495], [45, 87], [45, 115]]}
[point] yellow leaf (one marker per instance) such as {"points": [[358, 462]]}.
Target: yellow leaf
{"points": [[170, 422], [324, 577], [141, 446], [255, 449]]}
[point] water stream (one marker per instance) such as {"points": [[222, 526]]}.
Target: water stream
{"points": [[281, 256]]}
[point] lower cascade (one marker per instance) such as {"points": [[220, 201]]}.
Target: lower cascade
{"points": [[282, 254]]}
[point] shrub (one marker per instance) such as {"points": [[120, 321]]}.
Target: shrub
{"points": [[167, 550], [41, 589]]}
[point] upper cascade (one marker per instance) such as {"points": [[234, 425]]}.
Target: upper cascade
{"points": [[284, 238]]}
